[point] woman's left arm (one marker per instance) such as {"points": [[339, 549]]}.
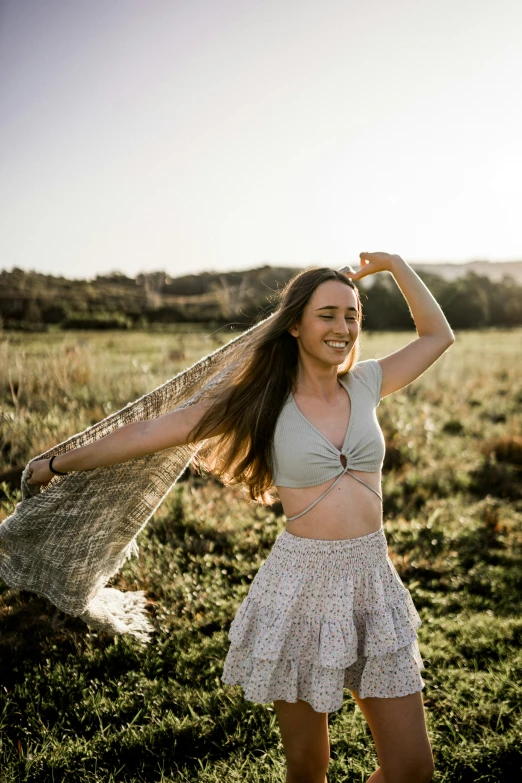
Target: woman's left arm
{"points": [[435, 335]]}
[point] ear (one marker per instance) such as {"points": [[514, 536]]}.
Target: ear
{"points": [[294, 331]]}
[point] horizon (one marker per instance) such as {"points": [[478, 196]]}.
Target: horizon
{"points": [[204, 138], [152, 271]]}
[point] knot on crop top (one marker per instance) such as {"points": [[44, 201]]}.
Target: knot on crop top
{"points": [[303, 457]]}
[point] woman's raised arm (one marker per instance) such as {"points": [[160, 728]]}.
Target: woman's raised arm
{"points": [[126, 443], [434, 332]]}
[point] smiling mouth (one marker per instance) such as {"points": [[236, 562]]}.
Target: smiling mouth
{"points": [[337, 344]]}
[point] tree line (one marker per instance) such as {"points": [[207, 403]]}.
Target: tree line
{"points": [[37, 302]]}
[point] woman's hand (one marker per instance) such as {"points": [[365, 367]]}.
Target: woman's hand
{"points": [[372, 263], [39, 472]]}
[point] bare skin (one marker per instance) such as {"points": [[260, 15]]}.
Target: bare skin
{"points": [[306, 742], [398, 729]]}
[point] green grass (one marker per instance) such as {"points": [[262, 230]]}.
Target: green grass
{"points": [[77, 705]]}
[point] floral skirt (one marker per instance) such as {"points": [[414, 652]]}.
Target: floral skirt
{"points": [[324, 615]]}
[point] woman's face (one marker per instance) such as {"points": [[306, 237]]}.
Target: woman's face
{"points": [[329, 327]]}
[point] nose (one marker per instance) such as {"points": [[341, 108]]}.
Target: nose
{"points": [[344, 333], [345, 326]]}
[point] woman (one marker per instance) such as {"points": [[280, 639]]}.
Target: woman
{"points": [[327, 609]]}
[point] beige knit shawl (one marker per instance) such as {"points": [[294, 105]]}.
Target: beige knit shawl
{"points": [[66, 540]]}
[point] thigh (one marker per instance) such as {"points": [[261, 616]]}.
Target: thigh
{"points": [[398, 727], [304, 732]]}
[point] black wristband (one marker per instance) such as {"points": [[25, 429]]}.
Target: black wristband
{"points": [[58, 473]]}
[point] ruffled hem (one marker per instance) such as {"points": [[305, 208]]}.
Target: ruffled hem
{"points": [[290, 642], [332, 636], [386, 676]]}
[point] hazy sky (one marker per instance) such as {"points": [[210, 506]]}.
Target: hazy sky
{"points": [[223, 134]]}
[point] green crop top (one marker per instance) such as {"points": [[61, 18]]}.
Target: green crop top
{"points": [[303, 457]]}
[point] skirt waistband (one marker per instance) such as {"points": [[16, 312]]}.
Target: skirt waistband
{"points": [[290, 541], [341, 553]]}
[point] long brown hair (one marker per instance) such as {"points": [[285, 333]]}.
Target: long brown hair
{"points": [[246, 406]]}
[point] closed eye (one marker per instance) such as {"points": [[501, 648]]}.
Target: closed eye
{"points": [[330, 317]]}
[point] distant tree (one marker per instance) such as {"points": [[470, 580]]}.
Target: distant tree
{"points": [[32, 312], [30, 300], [505, 302], [466, 305], [384, 306], [54, 313]]}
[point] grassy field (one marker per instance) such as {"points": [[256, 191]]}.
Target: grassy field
{"points": [[81, 706]]}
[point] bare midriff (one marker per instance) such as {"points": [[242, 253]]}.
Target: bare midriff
{"points": [[350, 510]]}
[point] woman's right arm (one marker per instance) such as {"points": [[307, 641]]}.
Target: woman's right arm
{"points": [[128, 442]]}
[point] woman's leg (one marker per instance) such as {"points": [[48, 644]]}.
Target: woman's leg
{"points": [[398, 727], [306, 743]]}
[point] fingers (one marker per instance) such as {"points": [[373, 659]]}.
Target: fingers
{"points": [[370, 263], [368, 258], [347, 270], [35, 472], [43, 482], [365, 265], [379, 256]]}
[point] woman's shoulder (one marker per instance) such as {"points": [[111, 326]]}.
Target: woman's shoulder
{"points": [[369, 373]]}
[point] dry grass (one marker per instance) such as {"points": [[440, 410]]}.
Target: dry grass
{"points": [[82, 706]]}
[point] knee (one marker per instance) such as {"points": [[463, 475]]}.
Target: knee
{"points": [[418, 770], [306, 766]]}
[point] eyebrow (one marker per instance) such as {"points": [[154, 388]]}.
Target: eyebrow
{"points": [[334, 307]]}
